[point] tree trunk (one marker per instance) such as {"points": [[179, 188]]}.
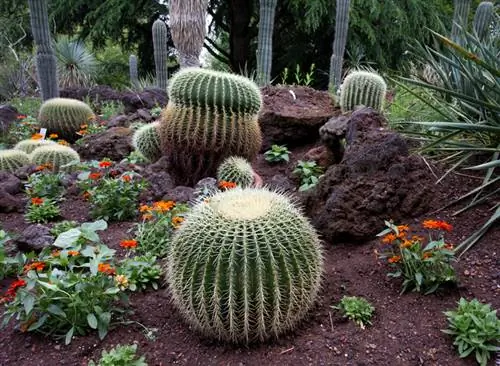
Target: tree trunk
{"points": [[240, 13]]}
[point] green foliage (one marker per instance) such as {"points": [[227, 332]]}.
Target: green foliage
{"points": [[146, 140], [139, 272], [277, 154], [362, 88], [113, 68], [8, 265], [236, 170], [56, 156], [63, 226], [28, 106], [45, 185], [29, 145], [309, 173], [160, 41], [12, 159], [77, 66], [255, 276], [357, 309], [475, 327], [41, 210], [300, 77], [24, 129], [135, 157], [120, 356]]}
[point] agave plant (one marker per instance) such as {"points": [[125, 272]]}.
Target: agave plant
{"points": [[467, 98], [76, 64]]}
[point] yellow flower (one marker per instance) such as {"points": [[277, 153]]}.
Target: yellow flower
{"points": [[121, 281]]}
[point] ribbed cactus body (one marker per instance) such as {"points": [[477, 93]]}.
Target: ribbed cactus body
{"points": [[460, 20], [339, 42], [267, 10], [12, 159], [362, 88], [54, 155], [482, 19], [65, 116], [146, 140], [46, 63], [210, 115], [237, 170], [30, 144], [160, 39], [255, 272], [134, 74]]}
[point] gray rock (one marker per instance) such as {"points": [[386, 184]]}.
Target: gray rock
{"points": [[281, 182], [10, 183], [34, 238], [114, 144], [180, 194], [119, 121], [10, 203]]}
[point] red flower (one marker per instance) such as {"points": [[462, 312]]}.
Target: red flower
{"points": [[226, 185], [105, 164], [128, 243], [95, 176], [21, 116], [127, 178], [394, 259], [435, 224], [36, 201], [11, 291], [106, 268], [37, 266]]}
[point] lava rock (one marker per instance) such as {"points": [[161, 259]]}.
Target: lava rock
{"points": [[34, 238], [114, 144]]}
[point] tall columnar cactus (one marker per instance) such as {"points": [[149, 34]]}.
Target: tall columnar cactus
{"points": [[46, 63], [362, 88], [134, 74], [339, 42], [188, 28], [210, 115], [31, 144], [254, 275], [237, 170], [265, 41], [460, 19], [65, 117], [55, 156], [160, 39], [12, 159], [146, 140], [483, 18]]}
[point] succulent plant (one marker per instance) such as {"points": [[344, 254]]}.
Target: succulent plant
{"points": [[31, 144], [146, 140], [210, 115], [339, 42], [267, 11], [362, 88], [256, 272], [54, 156], [12, 159], [160, 40], [134, 74], [237, 170], [483, 17], [65, 117]]}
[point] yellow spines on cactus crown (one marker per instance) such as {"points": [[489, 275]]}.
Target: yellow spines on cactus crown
{"points": [[12, 159]]}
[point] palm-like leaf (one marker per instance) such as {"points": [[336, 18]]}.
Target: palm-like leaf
{"points": [[76, 64]]}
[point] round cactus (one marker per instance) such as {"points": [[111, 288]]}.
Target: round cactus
{"points": [[65, 117], [31, 144], [146, 140], [210, 115], [237, 170], [54, 156], [12, 159], [256, 272], [362, 88]]}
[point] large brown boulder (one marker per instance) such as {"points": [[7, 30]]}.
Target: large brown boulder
{"points": [[114, 144]]}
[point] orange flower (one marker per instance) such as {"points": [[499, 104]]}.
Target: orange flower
{"points": [[55, 253], [106, 268], [389, 238], [131, 243], [417, 238], [147, 216], [36, 201], [127, 178], [176, 221], [105, 164], [449, 246], [84, 126], [394, 259], [426, 255], [144, 208], [82, 132], [37, 266], [406, 244], [95, 176], [10, 294], [63, 142], [163, 206], [226, 185], [73, 253], [86, 195], [21, 116], [53, 136], [37, 136], [403, 228], [435, 224]]}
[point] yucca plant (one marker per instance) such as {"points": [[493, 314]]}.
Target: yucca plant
{"points": [[467, 98], [76, 65]]}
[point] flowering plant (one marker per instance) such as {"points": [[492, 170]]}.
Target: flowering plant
{"points": [[424, 264], [45, 185], [25, 127], [41, 210]]}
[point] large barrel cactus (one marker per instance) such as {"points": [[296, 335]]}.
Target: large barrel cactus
{"points": [[65, 116], [237, 170], [210, 115], [253, 274], [55, 156], [146, 140], [31, 144], [362, 88], [12, 159]]}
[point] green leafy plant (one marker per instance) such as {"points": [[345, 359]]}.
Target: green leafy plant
{"points": [[309, 173], [138, 272], [45, 185], [300, 77], [120, 356], [25, 127], [277, 154], [42, 210], [423, 267], [8, 265], [135, 157], [155, 112], [357, 309], [63, 226], [76, 64], [475, 328]]}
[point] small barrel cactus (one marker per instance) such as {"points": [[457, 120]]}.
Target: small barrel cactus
{"points": [[237, 170], [210, 115], [362, 88], [12, 159], [31, 144], [65, 117], [256, 272], [55, 156], [146, 140]]}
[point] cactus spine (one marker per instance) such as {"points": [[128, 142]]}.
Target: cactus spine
{"points": [[134, 74], [46, 63], [265, 41], [146, 140], [160, 39], [30, 144], [339, 42], [12, 159], [460, 17], [237, 170], [254, 275], [188, 28], [482, 19], [210, 115], [362, 88], [55, 156]]}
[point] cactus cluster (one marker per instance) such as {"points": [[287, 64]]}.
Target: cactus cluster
{"points": [[55, 156], [254, 275], [160, 39], [65, 117], [146, 140], [362, 88], [31, 144], [210, 115], [12, 159], [237, 170]]}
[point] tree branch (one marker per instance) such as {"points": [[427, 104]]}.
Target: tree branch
{"points": [[217, 48], [218, 56]]}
